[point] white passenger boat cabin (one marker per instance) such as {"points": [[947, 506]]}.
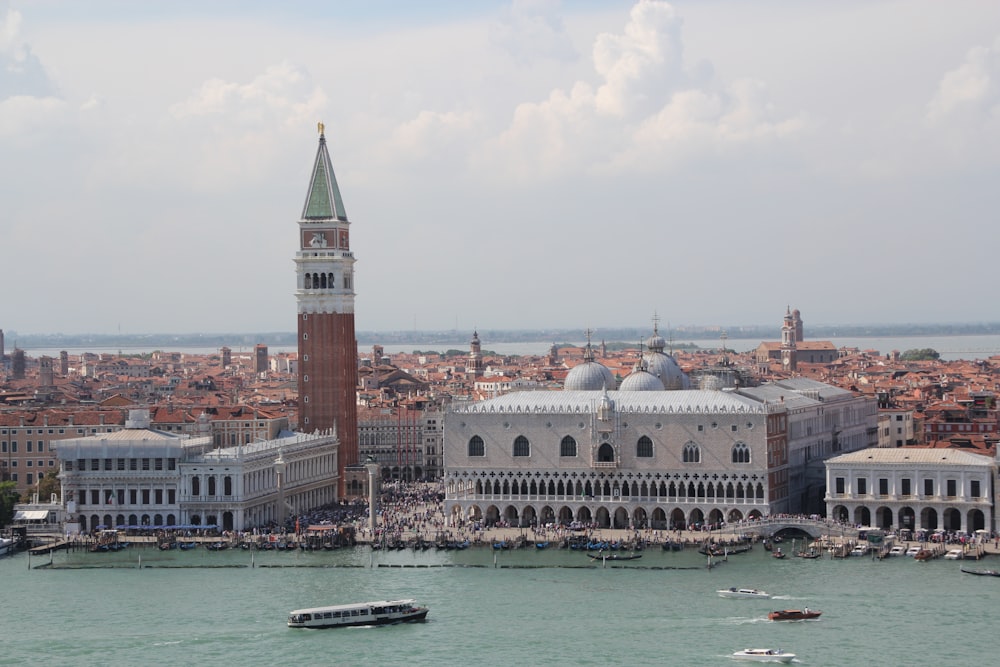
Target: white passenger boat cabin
{"points": [[362, 613]]}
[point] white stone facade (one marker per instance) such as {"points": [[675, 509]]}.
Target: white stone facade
{"points": [[711, 455], [143, 477], [661, 459], [912, 488]]}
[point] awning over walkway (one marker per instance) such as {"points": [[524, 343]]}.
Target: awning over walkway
{"points": [[31, 515]]}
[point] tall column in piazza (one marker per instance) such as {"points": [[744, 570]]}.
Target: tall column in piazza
{"points": [[328, 350]]}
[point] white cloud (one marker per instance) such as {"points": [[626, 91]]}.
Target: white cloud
{"points": [[431, 136], [643, 65], [530, 30], [21, 72], [961, 123], [282, 94], [647, 103], [227, 133], [973, 87], [92, 103], [23, 116]]}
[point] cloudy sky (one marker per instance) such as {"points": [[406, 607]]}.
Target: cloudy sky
{"points": [[526, 164]]}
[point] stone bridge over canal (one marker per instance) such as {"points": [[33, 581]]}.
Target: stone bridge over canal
{"points": [[814, 528]]}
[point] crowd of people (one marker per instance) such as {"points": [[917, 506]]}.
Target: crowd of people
{"points": [[414, 511]]}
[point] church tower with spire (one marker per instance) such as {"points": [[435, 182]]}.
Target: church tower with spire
{"points": [[789, 359], [324, 270], [475, 363]]}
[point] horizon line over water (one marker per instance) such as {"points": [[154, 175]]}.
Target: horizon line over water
{"points": [[951, 348]]}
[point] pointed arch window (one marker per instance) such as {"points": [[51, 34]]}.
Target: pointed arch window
{"points": [[691, 453], [476, 446], [568, 446], [644, 448], [521, 446], [741, 453]]}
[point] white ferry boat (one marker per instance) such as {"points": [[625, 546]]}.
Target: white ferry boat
{"points": [[362, 613], [747, 593]]}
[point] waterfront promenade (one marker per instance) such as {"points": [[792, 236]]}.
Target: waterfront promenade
{"points": [[412, 513]]}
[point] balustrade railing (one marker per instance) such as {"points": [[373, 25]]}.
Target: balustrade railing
{"points": [[500, 497]]}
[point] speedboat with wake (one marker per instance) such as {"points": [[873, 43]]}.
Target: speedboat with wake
{"points": [[764, 655]]}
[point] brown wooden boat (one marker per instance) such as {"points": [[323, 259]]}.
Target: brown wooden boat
{"points": [[794, 614]]}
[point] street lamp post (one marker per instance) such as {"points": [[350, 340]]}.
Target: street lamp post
{"points": [[279, 471]]}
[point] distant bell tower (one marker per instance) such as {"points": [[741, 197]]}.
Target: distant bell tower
{"points": [[475, 364], [260, 358], [45, 372], [328, 350], [797, 323], [788, 355]]}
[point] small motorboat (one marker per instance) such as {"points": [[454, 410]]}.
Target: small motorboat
{"points": [[744, 593], [794, 614], [923, 555], [955, 554], [764, 655]]}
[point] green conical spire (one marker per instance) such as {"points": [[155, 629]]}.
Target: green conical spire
{"points": [[323, 201]]}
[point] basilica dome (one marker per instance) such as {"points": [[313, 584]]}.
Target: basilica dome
{"points": [[641, 380], [662, 365], [666, 369], [589, 376]]}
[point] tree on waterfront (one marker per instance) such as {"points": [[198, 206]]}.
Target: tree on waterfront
{"points": [[47, 485], [8, 497], [923, 354]]}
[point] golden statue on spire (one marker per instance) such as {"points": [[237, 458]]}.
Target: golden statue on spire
{"points": [[320, 127]]}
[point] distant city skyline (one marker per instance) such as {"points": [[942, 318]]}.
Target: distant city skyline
{"points": [[505, 165]]}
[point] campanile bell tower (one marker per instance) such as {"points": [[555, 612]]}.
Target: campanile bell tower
{"points": [[328, 350]]}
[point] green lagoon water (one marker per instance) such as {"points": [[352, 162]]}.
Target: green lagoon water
{"points": [[550, 607]]}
